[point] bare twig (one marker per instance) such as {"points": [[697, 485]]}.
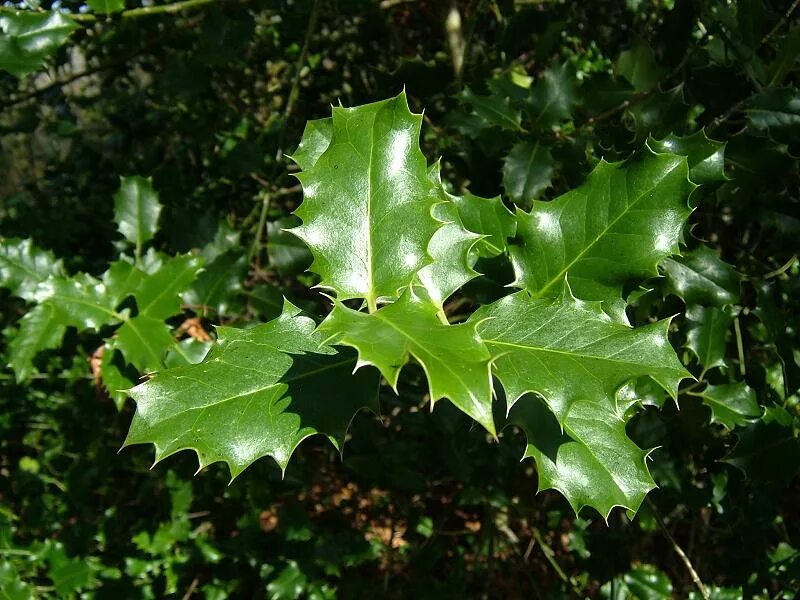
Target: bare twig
{"points": [[678, 550]]}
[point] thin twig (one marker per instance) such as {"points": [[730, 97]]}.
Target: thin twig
{"points": [[678, 550], [782, 269], [190, 590], [781, 22], [262, 221], [739, 346]]}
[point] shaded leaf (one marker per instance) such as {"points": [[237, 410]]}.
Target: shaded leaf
{"points": [[493, 109], [454, 358], [113, 377], [219, 284], [527, 172], [638, 65], [552, 97], [256, 394], [775, 112], [732, 405], [40, 329], [707, 335], [489, 218], [288, 254], [700, 276]]}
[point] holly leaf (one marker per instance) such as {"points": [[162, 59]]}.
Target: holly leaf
{"points": [[143, 342], [613, 229], [775, 320], [567, 351], [454, 358], [700, 276], [527, 172], [493, 109], [707, 335], [706, 157], [256, 394], [23, 267], [106, 7], [316, 139], [113, 376], [766, 452], [158, 293], [367, 202], [659, 114], [81, 301], [775, 113], [552, 97], [219, 284], [642, 582], [29, 38], [732, 405], [450, 250], [287, 253], [136, 210], [42, 328], [638, 65], [489, 218], [590, 461]]}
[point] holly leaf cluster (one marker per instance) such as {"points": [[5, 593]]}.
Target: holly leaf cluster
{"points": [[391, 246]]}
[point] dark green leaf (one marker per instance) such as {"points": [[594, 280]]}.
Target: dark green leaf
{"points": [[706, 157], [732, 405], [708, 333], [701, 277], [527, 172]]}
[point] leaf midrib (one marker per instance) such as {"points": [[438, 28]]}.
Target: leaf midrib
{"points": [[560, 276]]}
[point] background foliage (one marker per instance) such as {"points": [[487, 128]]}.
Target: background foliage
{"points": [[523, 100]]}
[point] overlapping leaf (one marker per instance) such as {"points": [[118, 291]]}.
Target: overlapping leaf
{"points": [[613, 229], [567, 351], [454, 358], [29, 38], [701, 277], [588, 457], [260, 392], [707, 334], [23, 267], [367, 202], [732, 405]]}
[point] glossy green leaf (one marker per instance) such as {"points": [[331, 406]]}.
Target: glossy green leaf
{"points": [[258, 393], [367, 202], [82, 301], [454, 358], [189, 351], [701, 277], [732, 405], [590, 461], [642, 582], [316, 139], [40, 329], [567, 351], [493, 109], [706, 157], [707, 334], [613, 229], [106, 7], [143, 342], [136, 210], [489, 218], [23, 267], [28, 38], [776, 320], [158, 294], [527, 172]]}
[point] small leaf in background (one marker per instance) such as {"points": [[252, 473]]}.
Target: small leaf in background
{"points": [[591, 461], [527, 172], [23, 267], [455, 361], [700, 276], [552, 97], [613, 229], [219, 284], [638, 65], [288, 254], [493, 109], [30, 38], [732, 405], [659, 114], [707, 334], [256, 394], [776, 113], [643, 582], [106, 7], [136, 210]]}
